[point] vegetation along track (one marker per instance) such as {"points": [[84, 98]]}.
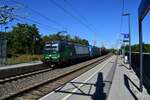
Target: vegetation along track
{"points": [[35, 86]]}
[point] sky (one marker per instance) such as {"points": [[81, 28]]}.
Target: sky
{"points": [[97, 21]]}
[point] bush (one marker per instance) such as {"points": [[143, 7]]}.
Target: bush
{"points": [[23, 59], [35, 57]]}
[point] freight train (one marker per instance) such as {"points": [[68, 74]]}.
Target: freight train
{"points": [[60, 52]]}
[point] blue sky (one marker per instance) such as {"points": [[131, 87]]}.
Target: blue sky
{"points": [[102, 16]]}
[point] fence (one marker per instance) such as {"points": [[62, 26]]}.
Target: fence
{"points": [[136, 63]]}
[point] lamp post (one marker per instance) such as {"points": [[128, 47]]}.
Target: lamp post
{"points": [[128, 14]]}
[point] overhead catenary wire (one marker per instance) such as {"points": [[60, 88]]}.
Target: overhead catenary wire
{"points": [[83, 18], [40, 14], [121, 24], [77, 12], [35, 22], [38, 25], [55, 22], [15, 16], [72, 15]]}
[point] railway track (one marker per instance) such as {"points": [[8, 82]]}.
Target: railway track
{"points": [[23, 75], [37, 84]]}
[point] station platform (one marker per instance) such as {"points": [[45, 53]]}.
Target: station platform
{"points": [[125, 85], [109, 80], [20, 65], [11, 70]]}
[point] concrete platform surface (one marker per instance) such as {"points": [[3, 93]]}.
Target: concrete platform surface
{"points": [[91, 85], [12, 70], [125, 85], [109, 80], [20, 65]]}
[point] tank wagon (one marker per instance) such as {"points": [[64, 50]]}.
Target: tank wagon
{"points": [[57, 52]]}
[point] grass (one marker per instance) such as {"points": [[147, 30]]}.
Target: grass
{"points": [[23, 59]]}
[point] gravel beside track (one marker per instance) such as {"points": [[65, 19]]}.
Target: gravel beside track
{"points": [[24, 75], [37, 85]]}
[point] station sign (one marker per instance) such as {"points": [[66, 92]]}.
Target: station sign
{"points": [[126, 36], [125, 40], [143, 9]]}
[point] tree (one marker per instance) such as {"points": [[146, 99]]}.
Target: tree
{"points": [[135, 48], [23, 39], [58, 36]]}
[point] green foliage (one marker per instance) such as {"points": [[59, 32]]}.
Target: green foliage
{"points": [[146, 48], [57, 36], [23, 59], [112, 50], [135, 48], [25, 39]]}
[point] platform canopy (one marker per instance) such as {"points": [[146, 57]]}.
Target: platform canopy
{"points": [[143, 9], [142, 12]]}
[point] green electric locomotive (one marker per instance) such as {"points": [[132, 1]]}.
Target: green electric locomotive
{"points": [[60, 52]]}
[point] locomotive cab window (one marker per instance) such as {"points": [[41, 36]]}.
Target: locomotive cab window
{"points": [[51, 47]]}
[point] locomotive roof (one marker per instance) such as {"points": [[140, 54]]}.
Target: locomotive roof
{"points": [[63, 41]]}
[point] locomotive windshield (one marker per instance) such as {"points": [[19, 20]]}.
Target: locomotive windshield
{"points": [[51, 47]]}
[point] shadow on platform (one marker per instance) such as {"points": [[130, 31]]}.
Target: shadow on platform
{"points": [[86, 89], [111, 62], [122, 65], [99, 91], [127, 80]]}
